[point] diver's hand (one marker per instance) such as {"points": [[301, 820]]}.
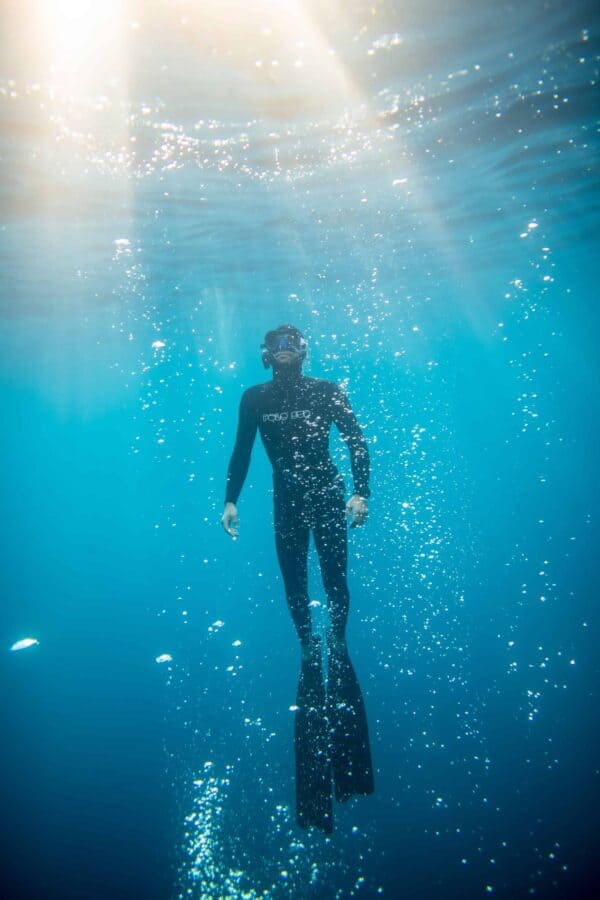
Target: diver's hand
{"points": [[230, 521], [357, 510]]}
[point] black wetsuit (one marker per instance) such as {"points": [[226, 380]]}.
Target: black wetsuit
{"points": [[294, 416]]}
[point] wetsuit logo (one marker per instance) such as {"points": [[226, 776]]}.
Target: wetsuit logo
{"points": [[283, 417]]}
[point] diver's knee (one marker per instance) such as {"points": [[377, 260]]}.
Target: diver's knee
{"points": [[336, 640], [310, 648]]}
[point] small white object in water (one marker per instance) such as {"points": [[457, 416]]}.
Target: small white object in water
{"points": [[158, 345], [24, 644], [164, 657]]}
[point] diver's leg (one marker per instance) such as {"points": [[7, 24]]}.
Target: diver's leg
{"points": [[291, 541], [349, 734], [311, 738], [331, 540]]}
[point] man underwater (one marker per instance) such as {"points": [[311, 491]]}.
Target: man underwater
{"points": [[294, 414]]}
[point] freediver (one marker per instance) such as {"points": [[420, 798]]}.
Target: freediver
{"points": [[293, 414]]}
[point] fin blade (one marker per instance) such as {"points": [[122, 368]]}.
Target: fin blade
{"points": [[314, 802], [352, 766]]}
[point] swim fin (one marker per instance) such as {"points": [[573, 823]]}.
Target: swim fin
{"points": [[349, 733], [314, 804]]}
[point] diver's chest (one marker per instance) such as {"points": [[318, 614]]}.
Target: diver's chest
{"points": [[284, 415]]}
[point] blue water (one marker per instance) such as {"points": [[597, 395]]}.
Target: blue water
{"points": [[414, 186]]}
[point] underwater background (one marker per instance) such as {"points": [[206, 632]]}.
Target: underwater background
{"points": [[415, 187]]}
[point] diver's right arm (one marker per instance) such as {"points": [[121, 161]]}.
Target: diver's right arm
{"points": [[239, 463]]}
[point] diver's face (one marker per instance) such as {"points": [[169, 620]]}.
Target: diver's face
{"points": [[286, 358]]}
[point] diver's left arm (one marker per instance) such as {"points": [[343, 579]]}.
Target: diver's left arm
{"points": [[357, 508]]}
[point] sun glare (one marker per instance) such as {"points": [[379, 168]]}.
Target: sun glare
{"points": [[78, 32]]}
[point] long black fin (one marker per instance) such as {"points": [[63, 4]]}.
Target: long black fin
{"points": [[350, 748], [314, 803]]}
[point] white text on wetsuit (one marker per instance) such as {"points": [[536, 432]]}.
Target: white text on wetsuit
{"points": [[284, 416]]}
